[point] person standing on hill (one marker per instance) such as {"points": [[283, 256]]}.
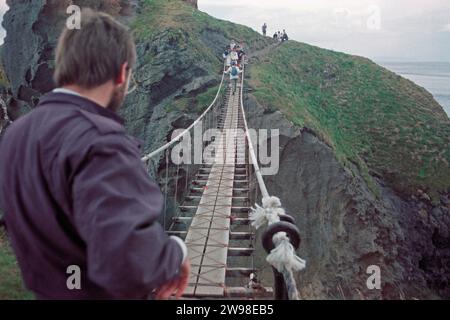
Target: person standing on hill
{"points": [[80, 208], [264, 29], [234, 72], [285, 36]]}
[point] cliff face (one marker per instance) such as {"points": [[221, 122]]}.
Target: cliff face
{"points": [[346, 228], [349, 211], [32, 30]]}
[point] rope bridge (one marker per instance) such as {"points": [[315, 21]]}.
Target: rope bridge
{"points": [[209, 203]]}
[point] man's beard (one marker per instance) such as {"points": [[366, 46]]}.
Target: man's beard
{"points": [[117, 99]]}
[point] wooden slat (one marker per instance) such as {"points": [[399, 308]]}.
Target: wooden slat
{"points": [[208, 235]]}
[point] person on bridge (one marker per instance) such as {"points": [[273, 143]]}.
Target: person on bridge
{"points": [[80, 208], [264, 29], [234, 55], [232, 45], [240, 55], [227, 57], [234, 72]]}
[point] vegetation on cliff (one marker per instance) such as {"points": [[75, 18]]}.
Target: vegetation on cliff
{"points": [[386, 125], [11, 285]]}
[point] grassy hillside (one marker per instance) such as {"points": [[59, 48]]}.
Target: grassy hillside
{"points": [[11, 286], [3, 79], [181, 18], [373, 118], [199, 40]]}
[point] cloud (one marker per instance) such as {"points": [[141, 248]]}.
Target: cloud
{"points": [[370, 28], [446, 28]]}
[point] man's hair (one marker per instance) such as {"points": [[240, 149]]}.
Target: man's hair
{"points": [[94, 54]]}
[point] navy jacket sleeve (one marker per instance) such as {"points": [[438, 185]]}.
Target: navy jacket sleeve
{"points": [[116, 206]]}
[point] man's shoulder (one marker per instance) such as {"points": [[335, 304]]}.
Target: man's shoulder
{"points": [[102, 124], [79, 112]]}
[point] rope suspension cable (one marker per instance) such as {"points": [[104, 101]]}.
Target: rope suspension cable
{"points": [[181, 135], [276, 240], [166, 188]]}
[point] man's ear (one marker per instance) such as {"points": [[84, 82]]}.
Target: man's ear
{"points": [[122, 78]]}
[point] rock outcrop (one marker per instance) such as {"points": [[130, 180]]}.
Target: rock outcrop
{"points": [[346, 228], [32, 30]]}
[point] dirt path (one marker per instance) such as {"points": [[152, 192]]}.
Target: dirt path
{"points": [[263, 52]]}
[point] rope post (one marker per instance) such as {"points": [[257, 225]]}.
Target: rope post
{"points": [[285, 287], [280, 291]]}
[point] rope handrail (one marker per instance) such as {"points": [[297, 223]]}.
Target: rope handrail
{"points": [[282, 253], [177, 138], [255, 164]]}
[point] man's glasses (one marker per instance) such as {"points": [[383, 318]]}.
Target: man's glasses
{"points": [[133, 84]]}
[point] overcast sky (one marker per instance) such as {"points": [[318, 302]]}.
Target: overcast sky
{"points": [[379, 29]]}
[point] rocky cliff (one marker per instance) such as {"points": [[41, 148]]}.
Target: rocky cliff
{"points": [[335, 174]]}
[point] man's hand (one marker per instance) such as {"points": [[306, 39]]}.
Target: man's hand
{"points": [[177, 286]]}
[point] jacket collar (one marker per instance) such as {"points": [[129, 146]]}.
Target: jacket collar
{"points": [[80, 102]]}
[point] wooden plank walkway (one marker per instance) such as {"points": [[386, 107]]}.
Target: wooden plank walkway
{"points": [[209, 233]]}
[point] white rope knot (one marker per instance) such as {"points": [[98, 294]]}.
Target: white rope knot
{"points": [[283, 255], [269, 213]]}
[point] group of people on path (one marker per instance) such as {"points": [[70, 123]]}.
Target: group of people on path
{"points": [[279, 36], [233, 59]]}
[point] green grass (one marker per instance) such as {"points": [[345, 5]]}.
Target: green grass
{"points": [[178, 16], [11, 285], [183, 25], [380, 122], [373, 118], [3, 79]]}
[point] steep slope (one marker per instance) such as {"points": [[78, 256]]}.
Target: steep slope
{"points": [[384, 124], [180, 65], [357, 141], [354, 176]]}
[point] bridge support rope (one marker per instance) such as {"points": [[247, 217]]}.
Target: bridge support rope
{"points": [[282, 257]]}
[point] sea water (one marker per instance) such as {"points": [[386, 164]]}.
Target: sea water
{"points": [[433, 76]]}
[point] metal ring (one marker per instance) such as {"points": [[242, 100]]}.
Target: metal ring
{"points": [[282, 226], [287, 218]]}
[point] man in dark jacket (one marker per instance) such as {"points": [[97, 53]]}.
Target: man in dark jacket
{"points": [[80, 208]]}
